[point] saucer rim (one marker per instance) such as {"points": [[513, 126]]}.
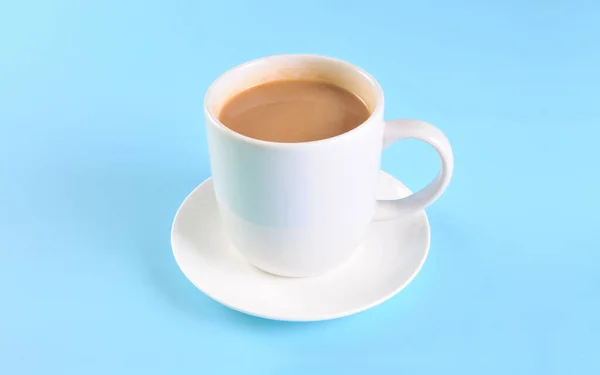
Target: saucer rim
{"points": [[324, 317]]}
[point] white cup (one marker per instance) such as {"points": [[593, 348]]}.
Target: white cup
{"points": [[301, 209]]}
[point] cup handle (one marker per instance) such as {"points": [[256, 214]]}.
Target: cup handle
{"points": [[396, 130]]}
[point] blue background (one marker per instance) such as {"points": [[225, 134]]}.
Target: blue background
{"points": [[102, 137]]}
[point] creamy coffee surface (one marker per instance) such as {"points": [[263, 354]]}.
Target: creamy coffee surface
{"points": [[293, 111]]}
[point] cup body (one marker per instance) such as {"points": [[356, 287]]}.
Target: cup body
{"points": [[295, 209]]}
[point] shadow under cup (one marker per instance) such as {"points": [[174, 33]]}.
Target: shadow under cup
{"points": [[295, 209]]}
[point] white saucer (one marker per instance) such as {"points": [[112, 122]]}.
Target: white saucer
{"points": [[390, 258]]}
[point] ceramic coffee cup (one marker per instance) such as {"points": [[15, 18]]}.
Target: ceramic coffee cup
{"points": [[301, 209]]}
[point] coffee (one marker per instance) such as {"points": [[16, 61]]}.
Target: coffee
{"points": [[294, 111]]}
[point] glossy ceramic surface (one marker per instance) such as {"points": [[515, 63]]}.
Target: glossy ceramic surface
{"points": [[386, 262]]}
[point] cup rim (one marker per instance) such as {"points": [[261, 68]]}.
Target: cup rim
{"points": [[208, 112]]}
